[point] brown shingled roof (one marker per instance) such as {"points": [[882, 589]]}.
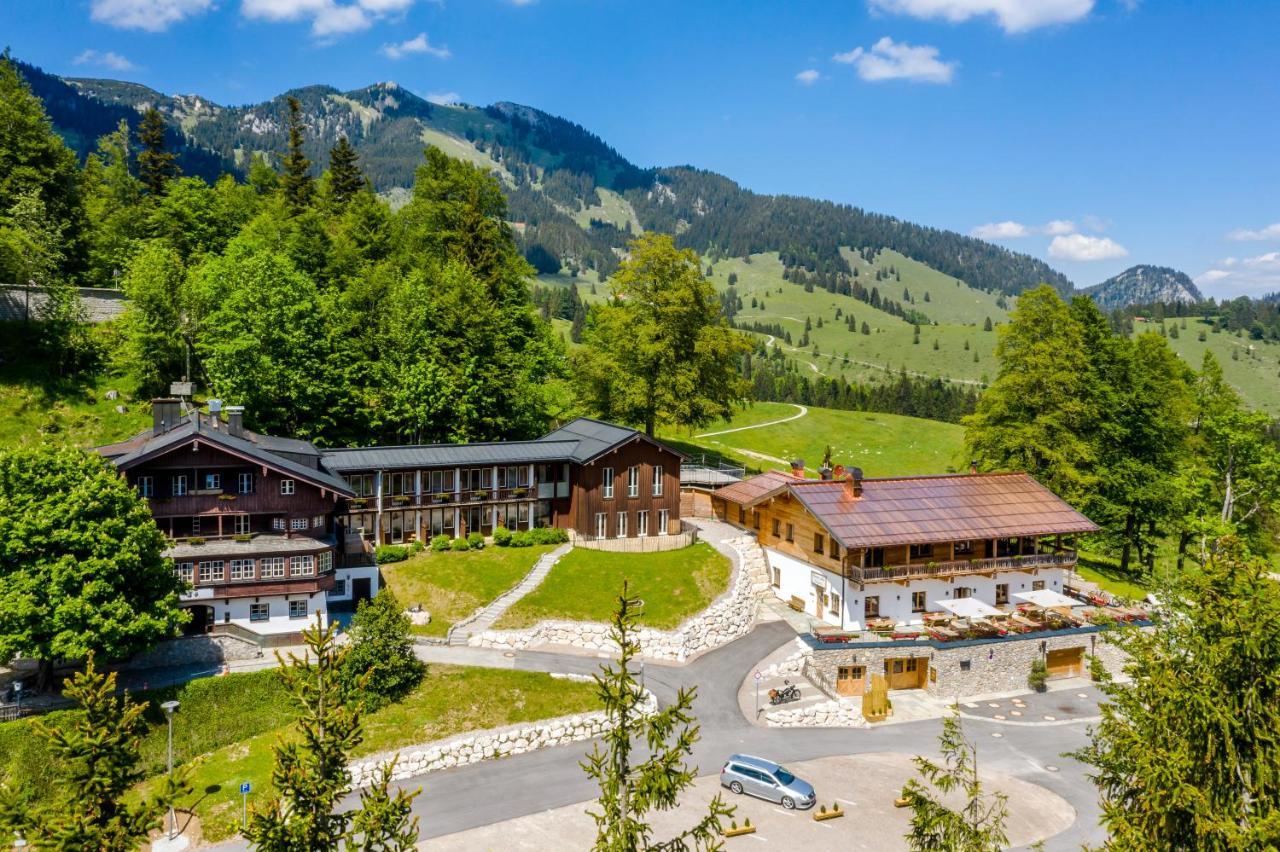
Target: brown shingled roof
{"points": [[754, 489], [927, 509]]}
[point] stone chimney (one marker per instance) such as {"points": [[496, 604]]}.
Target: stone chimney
{"points": [[973, 466], [853, 481], [838, 473], [797, 468], [235, 421], [166, 412]]}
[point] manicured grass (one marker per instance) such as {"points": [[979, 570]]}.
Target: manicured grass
{"points": [[451, 585], [1104, 571], [585, 584], [881, 444], [450, 700]]}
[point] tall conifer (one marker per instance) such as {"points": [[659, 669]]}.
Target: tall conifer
{"points": [[156, 166]]}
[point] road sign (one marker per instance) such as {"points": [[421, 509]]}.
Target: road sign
{"points": [[758, 675], [244, 787]]}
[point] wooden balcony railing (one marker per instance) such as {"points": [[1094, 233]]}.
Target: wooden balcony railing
{"points": [[965, 566]]}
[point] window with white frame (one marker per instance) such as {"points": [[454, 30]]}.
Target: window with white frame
{"points": [[271, 567], [212, 571], [186, 571], [213, 481], [278, 524], [297, 609], [287, 486], [244, 483], [180, 485], [606, 483], [259, 612], [917, 602], [657, 480], [633, 481], [602, 525], [146, 486], [317, 522], [642, 522], [242, 569], [297, 524], [339, 589], [240, 523], [523, 514], [326, 561], [621, 530], [663, 516], [302, 566]]}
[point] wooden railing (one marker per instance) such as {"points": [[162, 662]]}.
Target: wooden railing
{"points": [[965, 566]]}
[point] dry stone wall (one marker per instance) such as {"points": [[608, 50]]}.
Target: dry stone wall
{"points": [[732, 615], [826, 714], [190, 650]]}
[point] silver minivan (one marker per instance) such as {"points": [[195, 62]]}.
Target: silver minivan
{"points": [[765, 779]]}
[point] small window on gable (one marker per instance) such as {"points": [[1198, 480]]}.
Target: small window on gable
{"points": [[287, 486]]}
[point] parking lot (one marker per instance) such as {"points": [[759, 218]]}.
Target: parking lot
{"points": [[863, 785]]}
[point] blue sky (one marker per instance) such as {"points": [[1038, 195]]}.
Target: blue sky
{"points": [[1092, 133]]}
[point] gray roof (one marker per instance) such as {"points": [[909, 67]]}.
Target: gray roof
{"points": [[196, 428], [446, 455], [593, 436], [259, 544]]}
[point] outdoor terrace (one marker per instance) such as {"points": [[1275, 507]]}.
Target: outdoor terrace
{"points": [[954, 567]]}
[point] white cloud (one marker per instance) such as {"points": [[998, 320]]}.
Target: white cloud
{"points": [[104, 59], [1009, 230], [418, 44], [1254, 276], [150, 15], [1014, 16], [1270, 232], [891, 60], [444, 98], [808, 77], [328, 18], [1082, 248]]}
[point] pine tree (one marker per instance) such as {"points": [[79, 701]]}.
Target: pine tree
{"points": [[156, 166], [978, 826], [986, 326], [97, 763], [296, 179], [629, 791], [345, 178], [866, 329]]}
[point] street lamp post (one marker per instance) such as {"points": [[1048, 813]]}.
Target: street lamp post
{"points": [[169, 707], [17, 692]]}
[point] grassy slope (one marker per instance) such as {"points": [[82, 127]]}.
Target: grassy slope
{"points": [[451, 586], [585, 584], [1256, 374], [612, 208], [881, 444]]}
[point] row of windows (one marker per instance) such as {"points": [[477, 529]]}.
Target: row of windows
{"points": [[919, 603], [242, 524], [246, 483], [633, 482], [441, 481], [621, 526], [266, 568], [262, 611]]}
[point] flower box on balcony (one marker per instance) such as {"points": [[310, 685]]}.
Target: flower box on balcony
{"points": [[242, 537], [400, 500], [195, 539], [359, 503], [442, 497], [478, 495], [227, 497], [206, 492], [519, 492]]}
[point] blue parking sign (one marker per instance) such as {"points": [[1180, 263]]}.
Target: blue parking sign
{"points": [[244, 787]]}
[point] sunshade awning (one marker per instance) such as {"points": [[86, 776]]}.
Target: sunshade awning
{"points": [[969, 608], [1046, 598]]}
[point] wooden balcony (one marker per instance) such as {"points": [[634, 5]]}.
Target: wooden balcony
{"points": [[955, 567], [450, 499]]}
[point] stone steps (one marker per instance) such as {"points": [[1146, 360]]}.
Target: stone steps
{"points": [[487, 616]]}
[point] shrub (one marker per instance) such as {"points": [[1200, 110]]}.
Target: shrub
{"points": [[440, 543], [1039, 676], [548, 535], [476, 540], [502, 537], [459, 544], [381, 666], [390, 553], [416, 546], [1097, 671], [521, 539]]}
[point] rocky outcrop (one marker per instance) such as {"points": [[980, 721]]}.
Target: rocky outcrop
{"points": [[732, 615]]}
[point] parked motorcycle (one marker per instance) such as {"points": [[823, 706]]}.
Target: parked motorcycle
{"points": [[789, 692]]}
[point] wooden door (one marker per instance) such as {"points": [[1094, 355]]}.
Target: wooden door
{"points": [[820, 599], [1065, 662], [850, 680], [360, 589], [904, 672]]}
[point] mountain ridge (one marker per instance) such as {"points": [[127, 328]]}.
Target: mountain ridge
{"points": [[1145, 284]]}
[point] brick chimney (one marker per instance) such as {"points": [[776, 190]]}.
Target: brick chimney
{"points": [[853, 481], [973, 466], [797, 468], [166, 412], [235, 421], [838, 473]]}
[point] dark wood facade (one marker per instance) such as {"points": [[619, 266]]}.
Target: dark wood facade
{"points": [[591, 500]]}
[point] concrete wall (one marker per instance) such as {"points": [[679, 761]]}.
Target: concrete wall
{"points": [[100, 303], [238, 611], [369, 572]]}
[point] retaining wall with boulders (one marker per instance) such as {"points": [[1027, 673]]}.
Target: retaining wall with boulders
{"points": [[731, 616], [466, 749], [832, 713], [190, 650]]}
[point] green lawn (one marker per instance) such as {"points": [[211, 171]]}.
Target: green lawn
{"points": [[450, 700], [1105, 571], [451, 585], [585, 584], [881, 444], [1253, 371]]}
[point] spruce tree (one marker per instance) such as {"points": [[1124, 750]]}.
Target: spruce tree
{"points": [[629, 790], [156, 166], [96, 764], [345, 178], [978, 826], [296, 179]]}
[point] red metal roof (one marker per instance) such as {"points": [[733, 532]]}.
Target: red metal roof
{"points": [[924, 509], [754, 489]]}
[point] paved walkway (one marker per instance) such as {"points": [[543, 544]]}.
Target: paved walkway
{"points": [[486, 617]]}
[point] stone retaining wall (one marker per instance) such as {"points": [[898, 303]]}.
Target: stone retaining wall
{"points": [[466, 749], [827, 714], [188, 650], [732, 615]]}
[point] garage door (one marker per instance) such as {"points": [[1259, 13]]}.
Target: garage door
{"points": [[1066, 662], [850, 680]]}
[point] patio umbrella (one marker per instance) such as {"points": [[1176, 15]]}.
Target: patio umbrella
{"points": [[969, 608], [1046, 598]]}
